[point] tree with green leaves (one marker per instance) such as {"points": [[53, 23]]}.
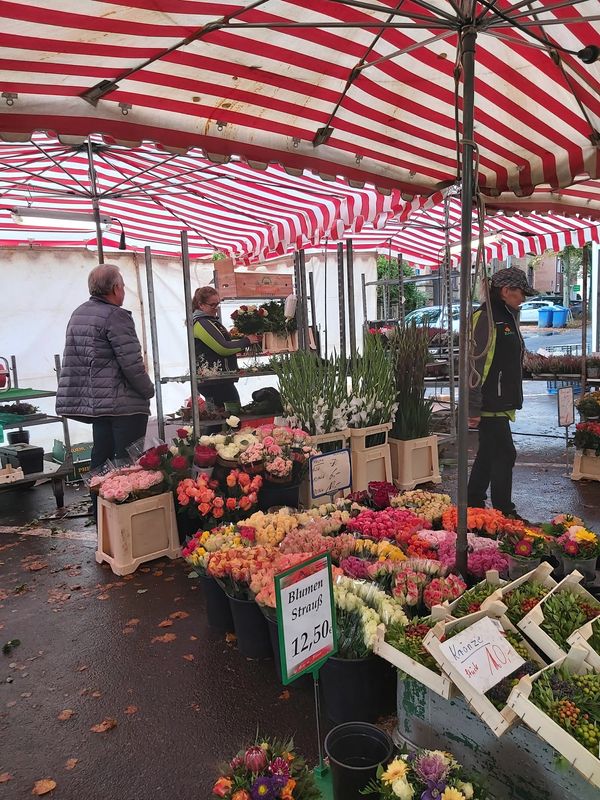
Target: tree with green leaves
{"points": [[387, 269], [571, 259]]}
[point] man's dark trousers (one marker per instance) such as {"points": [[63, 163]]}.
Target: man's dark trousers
{"points": [[493, 465]]}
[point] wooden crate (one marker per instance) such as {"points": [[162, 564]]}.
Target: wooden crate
{"points": [[580, 638], [133, 533], [586, 465], [264, 286], [541, 574], [438, 683], [532, 622], [498, 721], [548, 730], [491, 576], [225, 278]]}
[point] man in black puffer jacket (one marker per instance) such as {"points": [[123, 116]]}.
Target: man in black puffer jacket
{"points": [[498, 393], [103, 380]]}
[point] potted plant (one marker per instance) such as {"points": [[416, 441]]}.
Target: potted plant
{"points": [[589, 406], [580, 549], [280, 330], [587, 442], [524, 550], [413, 451]]}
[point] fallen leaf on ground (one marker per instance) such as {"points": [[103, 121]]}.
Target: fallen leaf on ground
{"points": [[158, 573], [71, 763], [5, 777], [11, 703], [144, 569], [166, 637], [230, 638], [133, 621], [193, 638], [179, 615], [66, 714], [3, 596], [285, 695], [195, 707], [127, 631], [35, 566], [106, 725], [189, 657], [127, 577], [131, 710], [25, 694], [43, 787], [102, 597], [166, 623], [82, 668], [96, 694], [142, 591], [171, 578], [57, 596]]}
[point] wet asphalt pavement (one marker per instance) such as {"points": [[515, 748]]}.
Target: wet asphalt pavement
{"points": [[136, 651]]}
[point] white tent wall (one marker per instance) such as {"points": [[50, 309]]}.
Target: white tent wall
{"points": [[41, 288]]}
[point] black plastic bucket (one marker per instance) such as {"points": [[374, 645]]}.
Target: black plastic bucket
{"points": [[278, 494], [340, 678], [218, 611], [251, 629], [18, 437], [355, 750]]}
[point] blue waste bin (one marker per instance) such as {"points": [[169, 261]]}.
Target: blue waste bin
{"points": [[560, 314], [545, 318]]}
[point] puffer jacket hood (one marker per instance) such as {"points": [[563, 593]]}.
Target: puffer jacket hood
{"points": [[103, 372]]}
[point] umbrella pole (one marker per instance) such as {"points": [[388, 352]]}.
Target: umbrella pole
{"points": [[469, 37], [189, 313], [154, 338], [95, 203]]}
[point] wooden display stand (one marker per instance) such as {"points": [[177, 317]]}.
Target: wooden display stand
{"points": [[586, 466], [370, 462], [132, 533], [280, 342], [415, 461]]}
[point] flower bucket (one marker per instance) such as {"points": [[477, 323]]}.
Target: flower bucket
{"points": [[586, 566], [218, 611], [278, 494], [250, 628], [254, 469], [187, 527], [518, 566], [196, 471], [355, 750], [354, 688]]}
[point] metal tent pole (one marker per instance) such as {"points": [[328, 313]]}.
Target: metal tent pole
{"points": [[154, 339], [187, 293], [341, 298], [95, 203], [401, 306], [351, 312], [304, 298], [446, 267], [584, 317], [469, 37], [313, 313]]}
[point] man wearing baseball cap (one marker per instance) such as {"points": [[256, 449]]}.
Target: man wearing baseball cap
{"points": [[497, 389]]}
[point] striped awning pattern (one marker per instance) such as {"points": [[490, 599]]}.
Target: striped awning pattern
{"points": [[250, 214], [365, 90]]}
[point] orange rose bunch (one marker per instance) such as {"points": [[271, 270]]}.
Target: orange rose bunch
{"points": [[203, 498], [486, 521]]}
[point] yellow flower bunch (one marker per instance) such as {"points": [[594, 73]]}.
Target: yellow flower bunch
{"points": [[382, 550], [271, 529], [581, 534]]}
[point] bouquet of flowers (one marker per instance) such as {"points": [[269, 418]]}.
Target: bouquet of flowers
{"points": [[531, 543], [253, 457], [443, 589], [204, 456], [202, 498], [587, 436], [486, 521], [126, 486], [356, 624], [174, 461], [234, 567], [578, 543], [198, 549], [560, 523], [269, 529], [269, 770], [380, 493], [279, 468], [389, 609], [390, 523], [250, 319], [483, 553], [309, 539], [425, 774], [429, 506], [262, 581]]}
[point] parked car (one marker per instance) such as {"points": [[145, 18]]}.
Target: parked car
{"points": [[530, 309], [434, 317]]}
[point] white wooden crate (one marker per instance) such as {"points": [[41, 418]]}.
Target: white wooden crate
{"points": [[541, 574], [498, 721], [438, 683], [580, 638], [532, 622], [548, 730]]}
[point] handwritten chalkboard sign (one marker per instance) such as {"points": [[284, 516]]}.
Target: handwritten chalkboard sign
{"points": [[481, 654], [330, 473]]}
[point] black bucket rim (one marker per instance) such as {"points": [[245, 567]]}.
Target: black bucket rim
{"points": [[384, 737]]}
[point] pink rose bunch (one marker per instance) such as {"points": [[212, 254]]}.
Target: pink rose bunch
{"points": [[409, 585], [310, 540], [121, 488], [483, 553], [356, 568], [279, 467], [439, 590], [390, 523], [254, 454]]}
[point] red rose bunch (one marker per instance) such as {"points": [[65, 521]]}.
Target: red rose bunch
{"points": [[204, 455], [381, 492]]}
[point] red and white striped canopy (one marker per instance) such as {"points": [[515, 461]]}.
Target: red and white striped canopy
{"points": [[366, 90], [246, 213]]}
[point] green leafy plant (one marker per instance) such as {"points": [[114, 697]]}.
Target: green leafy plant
{"points": [[409, 353], [409, 640], [471, 600], [566, 611], [373, 398], [521, 600], [275, 320], [314, 390], [589, 404]]}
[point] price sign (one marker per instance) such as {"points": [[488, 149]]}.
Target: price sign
{"points": [[304, 596], [481, 654], [330, 473], [566, 410]]}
